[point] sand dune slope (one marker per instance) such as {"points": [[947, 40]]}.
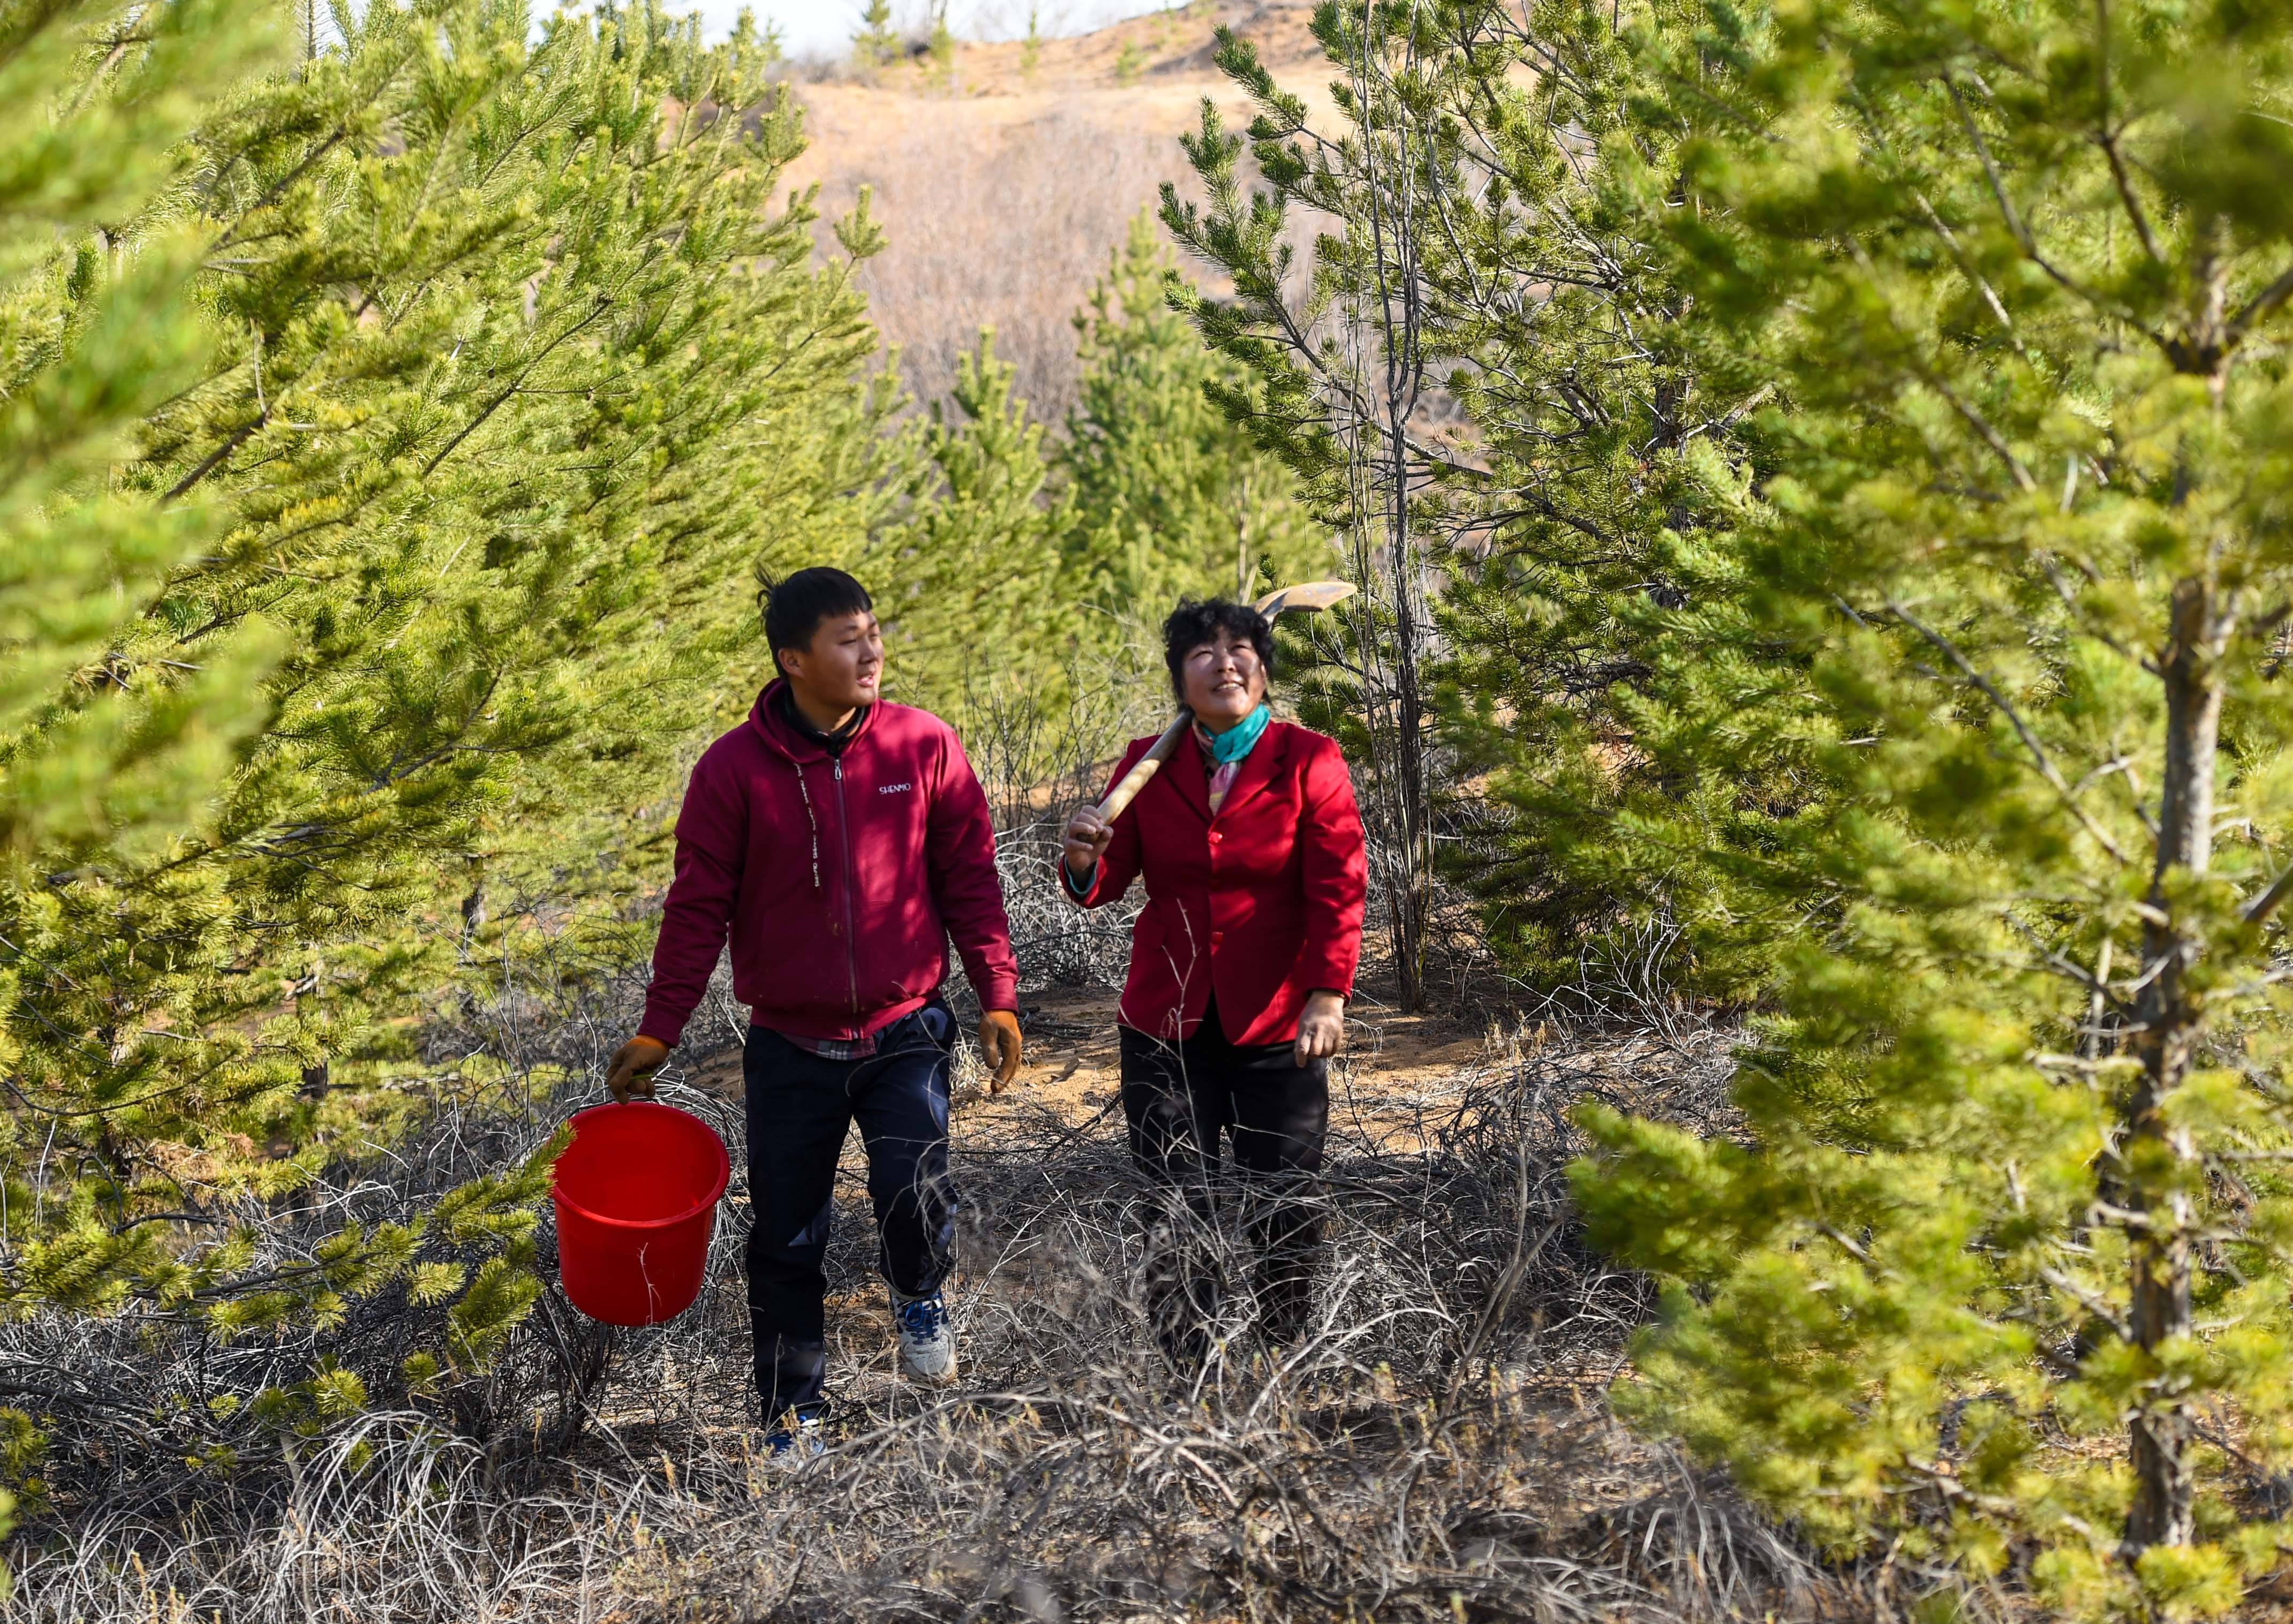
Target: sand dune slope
{"points": [[1003, 189]]}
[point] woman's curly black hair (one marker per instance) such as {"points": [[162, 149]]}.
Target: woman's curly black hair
{"points": [[1195, 623]]}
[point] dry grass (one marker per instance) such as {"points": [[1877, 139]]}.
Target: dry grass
{"points": [[1436, 1449]]}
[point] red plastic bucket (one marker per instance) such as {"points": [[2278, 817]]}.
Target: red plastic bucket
{"points": [[636, 1200]]}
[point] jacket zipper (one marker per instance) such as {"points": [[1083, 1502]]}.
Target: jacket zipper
{"points": [[844, 833]]}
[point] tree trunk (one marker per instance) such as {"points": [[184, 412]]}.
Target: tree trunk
{"points": [[1413, 834], [1395, 810], [1392, 174], [2156, 1156]]}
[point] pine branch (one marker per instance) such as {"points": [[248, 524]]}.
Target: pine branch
{"points": [[2039, 754], [214, 459]]}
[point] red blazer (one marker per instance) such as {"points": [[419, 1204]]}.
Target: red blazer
{"points": [[1261, 904]]}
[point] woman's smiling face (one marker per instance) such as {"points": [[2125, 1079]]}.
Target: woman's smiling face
{"points": [[1225, 681]]}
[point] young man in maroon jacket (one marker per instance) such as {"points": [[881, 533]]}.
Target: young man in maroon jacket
{"points": [[843, 841]]}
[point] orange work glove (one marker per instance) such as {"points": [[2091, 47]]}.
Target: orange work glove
{"points": [[634, 1064], [999, 1045]]}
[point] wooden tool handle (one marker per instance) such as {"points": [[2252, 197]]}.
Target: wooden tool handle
{"points": [[1145, 768]]}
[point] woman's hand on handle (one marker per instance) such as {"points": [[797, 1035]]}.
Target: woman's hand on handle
{"points": [[634, 1064], [1321, 1028], [1085, 842]]}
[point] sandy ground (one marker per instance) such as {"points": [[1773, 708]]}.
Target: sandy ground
{"points": [[1162, 60], [1395, 1063]]}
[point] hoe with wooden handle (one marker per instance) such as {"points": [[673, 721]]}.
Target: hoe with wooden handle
{"points": [[1310, 595]]}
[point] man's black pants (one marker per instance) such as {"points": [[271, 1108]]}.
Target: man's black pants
{"points": [[799, 1108], [1179, 1098]]}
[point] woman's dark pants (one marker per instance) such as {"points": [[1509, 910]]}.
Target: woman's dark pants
{"points": [[801, 1105], [1180, 1098]]}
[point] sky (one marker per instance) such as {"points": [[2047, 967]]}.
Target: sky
{"points": [[825, 27]]}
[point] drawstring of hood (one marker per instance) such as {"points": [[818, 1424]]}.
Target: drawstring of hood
{"points": [[777, 706], [804, 789]]}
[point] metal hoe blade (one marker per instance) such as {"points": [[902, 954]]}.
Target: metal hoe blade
{"points": [[1305, 595]]}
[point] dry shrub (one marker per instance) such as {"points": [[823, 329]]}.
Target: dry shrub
{"points": [[1435, 1448], [1037, 769]]}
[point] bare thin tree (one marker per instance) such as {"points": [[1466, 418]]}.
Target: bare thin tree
{"points": [[1340, 386]]}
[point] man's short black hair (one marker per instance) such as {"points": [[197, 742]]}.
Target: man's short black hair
{"points": [[795, 605], [1195, 623]]}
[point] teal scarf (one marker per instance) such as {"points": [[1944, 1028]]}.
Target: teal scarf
{"points": [[1238, 740]]}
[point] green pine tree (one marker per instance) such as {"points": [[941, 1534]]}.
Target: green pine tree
{"points": [[1170, 498], [973, 620], [878, 41], [939, 45], [2000, 1271], [509, 370], [1555, 448], [97, 328], [1031, 46], [1476, 383]]}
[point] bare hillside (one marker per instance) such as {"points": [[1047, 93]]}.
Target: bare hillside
{"points": [[1003, 184]]}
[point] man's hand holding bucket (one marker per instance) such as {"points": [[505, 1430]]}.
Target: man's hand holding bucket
{"points": [[630, 1075]]}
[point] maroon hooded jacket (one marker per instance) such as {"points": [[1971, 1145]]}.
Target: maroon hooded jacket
{"points": [[1259, 903], [841, 877]]}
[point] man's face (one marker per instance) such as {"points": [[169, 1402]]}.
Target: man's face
{"points": [[844, 664]]}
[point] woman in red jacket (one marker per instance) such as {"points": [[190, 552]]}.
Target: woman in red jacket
{"points": [[1251, 848]]}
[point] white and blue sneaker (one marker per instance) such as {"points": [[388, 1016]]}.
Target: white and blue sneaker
{"points": [[927, 1339], [797, 1438]]}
